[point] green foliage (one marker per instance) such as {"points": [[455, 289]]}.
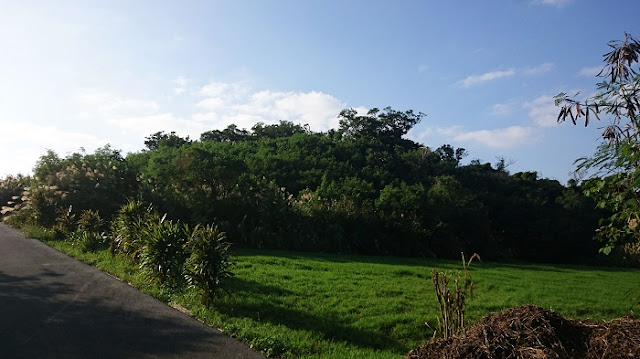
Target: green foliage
{"points": [[87, 241], [100, 181], [65, 222], [161, 139], [162, 254], [230, 134], [616, 162], [209, 261], [363, 188], [388, 126], [90, 221], [42, 205], [88, 236], [13, 191], [127, 225]]}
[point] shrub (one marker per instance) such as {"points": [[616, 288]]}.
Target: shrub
{"points": [[87, 241], [18, 219], [452, 301], [42, 205], [209, 261], [163, 253], [65, 223], [90, 221], [127, 225]]}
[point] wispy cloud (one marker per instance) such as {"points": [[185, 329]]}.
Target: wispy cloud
{"points": [[180, 85], [167, 122], [488, 76], [556, 3], [501, 109], [589, 71], [422, 68], [543, 111], [473, 80], [540, 69], [504, 138], [109, 103]]}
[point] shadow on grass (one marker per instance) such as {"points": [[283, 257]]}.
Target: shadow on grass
{"points": [[425, 262], [347, 258], [328, 325], [552, 267]]}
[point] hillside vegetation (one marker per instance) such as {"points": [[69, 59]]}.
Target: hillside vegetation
{"points": [[362, 188]]}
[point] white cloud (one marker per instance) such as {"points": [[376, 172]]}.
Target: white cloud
{"points": [[212, 106], [543, 111], [26, 142], [167, 122], [503, 138], [227, 103], [540, 69], [501, 109], [109, 104], [489, 76], [557, 3], [180, 85], [589, 71]]}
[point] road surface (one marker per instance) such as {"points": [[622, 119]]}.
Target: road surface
{"points": [[53, 306]]}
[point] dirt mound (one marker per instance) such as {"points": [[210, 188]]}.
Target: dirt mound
{"points": [[531, 332]]}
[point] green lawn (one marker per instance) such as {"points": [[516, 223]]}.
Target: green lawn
{"points": [[301, 305]]}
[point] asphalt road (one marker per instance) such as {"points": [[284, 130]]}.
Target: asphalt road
{"points": [[53, 306]]}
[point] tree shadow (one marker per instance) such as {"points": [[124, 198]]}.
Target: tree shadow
{"points": [[347, 258], [328, 325], [44, 316], [552, 267]]}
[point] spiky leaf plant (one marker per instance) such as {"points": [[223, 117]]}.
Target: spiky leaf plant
{"points": [[163, 254], [126, 227], [209, 261]]}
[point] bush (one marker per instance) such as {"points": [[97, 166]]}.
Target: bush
{"points": [[87, 241], [65, 223], [127, 225], [90, 221], [209, 261], [42, 206], [163, 254]]}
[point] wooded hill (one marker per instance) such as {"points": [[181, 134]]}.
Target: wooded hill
{"points": [[362, 188]]}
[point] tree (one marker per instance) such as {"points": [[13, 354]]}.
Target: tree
{"points": [[387, 125], [161, 139], [230, 134], [617, 161]]}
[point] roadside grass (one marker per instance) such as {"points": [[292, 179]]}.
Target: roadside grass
{"points": [[309, 305]]}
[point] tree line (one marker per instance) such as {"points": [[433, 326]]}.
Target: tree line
{"points": [[361, 188]]}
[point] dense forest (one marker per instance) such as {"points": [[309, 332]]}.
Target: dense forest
{"points": [[362, 188]]}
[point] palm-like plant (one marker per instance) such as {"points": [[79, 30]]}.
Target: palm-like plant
{"points": [[163, 253], [209, 261], [126, 227]]}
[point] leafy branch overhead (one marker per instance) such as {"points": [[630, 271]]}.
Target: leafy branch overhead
{"points": [[618, 96], [618, 157]]}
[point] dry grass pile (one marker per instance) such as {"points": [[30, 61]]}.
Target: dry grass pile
{"points": [[531, 332]]}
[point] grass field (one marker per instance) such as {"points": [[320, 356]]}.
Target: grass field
{"points": [[301, 305]]}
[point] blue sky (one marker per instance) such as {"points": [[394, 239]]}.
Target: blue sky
{"points": [[87, 73]]}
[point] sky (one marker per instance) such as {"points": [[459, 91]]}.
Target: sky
{"points": [[82, 74]]}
